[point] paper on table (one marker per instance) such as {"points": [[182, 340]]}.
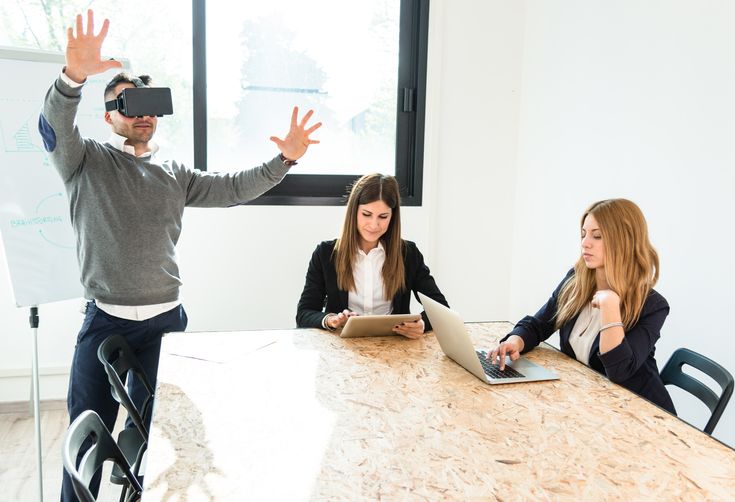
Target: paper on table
{"points": [[195, 345]]}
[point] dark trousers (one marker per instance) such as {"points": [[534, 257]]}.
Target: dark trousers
{"points": [[89, 388]]}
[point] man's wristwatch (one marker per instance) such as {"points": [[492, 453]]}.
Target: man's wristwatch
{"points": [[286, 161]]}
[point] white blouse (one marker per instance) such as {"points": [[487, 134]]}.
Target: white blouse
{"points": [[368, 297], [585, 332]]}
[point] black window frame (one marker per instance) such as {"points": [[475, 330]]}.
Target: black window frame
{"points": [[330, 189]]}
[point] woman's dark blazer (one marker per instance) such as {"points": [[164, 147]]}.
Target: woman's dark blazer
{"points": [[630, 364], [320, 289]]}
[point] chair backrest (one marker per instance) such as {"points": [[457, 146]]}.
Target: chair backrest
{"points": [[672, 374], [89, 427], [120, 363]]}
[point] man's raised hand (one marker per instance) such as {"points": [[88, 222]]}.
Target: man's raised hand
{"points": [[83, 50], [294, 145]]}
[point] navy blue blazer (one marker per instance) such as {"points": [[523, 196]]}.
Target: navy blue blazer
{"points": [[631, 364], [321, 294]]}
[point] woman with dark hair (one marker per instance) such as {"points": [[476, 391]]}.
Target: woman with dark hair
{"points": [[370, 269], [608, 315]]}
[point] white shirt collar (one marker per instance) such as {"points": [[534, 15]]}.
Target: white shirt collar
{"points": [[118, 142], [378, 250]]}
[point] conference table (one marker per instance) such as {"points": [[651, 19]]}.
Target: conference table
{"points": [[303, 414]]}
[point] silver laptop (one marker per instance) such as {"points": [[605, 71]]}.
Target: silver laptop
{"points": [[449, 329]]}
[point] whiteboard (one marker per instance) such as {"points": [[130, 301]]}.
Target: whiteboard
{"points": [[35, 226]]}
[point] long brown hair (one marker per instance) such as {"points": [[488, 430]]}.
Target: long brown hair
{"points": [[367, 189], [631, 263]]}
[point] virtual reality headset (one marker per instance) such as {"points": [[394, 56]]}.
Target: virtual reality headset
{"points": [[142, 101]]}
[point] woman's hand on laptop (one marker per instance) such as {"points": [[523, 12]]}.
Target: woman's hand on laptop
{"points": [[410, 329], [512, 347]]}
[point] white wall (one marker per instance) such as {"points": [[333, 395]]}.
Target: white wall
{"points": [[475, 55], [534, 110], [633, 99]]}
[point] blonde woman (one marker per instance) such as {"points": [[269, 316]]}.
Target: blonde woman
{"points": [[370, 269], [608, 315]]}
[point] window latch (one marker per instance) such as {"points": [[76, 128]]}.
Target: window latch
{"points": [[408, 99]]}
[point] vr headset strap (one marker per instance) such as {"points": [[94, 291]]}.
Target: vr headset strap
{"points": [[111, 106]]}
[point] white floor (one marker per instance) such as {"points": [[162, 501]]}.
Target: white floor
{"points": [[18, 473]]}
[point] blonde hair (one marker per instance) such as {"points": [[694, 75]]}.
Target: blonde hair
{"points": [[367, 189], [631, 263]]}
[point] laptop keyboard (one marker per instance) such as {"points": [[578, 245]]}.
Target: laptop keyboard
{"points": [[493, 371]]}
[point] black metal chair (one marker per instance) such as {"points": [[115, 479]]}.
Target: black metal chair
{"points": [[89, 427], [120, 364], [672, 374]]}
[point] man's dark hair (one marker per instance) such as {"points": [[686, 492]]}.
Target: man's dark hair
{"points": [[125, 78]]}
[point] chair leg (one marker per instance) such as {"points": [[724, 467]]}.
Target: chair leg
{"points": [[124, 495], [123, 492], [138, 462], [133, 496]]}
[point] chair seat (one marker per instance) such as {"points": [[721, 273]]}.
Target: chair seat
{"points": [[130, 442]]}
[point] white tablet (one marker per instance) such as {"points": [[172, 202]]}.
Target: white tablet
{"points": [[374, 325]]}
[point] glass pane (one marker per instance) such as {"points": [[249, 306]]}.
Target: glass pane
{"points": [[157, 44], [338, 57]]}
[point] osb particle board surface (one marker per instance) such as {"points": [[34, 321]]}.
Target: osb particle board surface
{"points": [[304, 414]]}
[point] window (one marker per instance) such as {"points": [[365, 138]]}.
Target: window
{"points": [[360, 65], [361, 68]]}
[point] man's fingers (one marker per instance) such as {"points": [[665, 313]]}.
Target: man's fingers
{"points": [[112, 64], [277, 141], [313, 128], [105, 27], [80, 32], [90, 22], [306, 118], [294, 116]]}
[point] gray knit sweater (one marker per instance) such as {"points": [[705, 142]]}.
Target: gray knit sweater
{"points": [[127, 211]]}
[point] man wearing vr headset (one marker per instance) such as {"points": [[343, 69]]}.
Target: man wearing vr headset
{"points": [[126, 209]]}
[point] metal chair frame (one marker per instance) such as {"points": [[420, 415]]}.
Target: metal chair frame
{"points": [[120, 363], [88, 426]]}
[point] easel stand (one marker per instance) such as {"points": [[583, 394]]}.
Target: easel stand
{"points": [[33, 319]]}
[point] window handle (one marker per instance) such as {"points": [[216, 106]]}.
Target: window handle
{"points": [[408, 99]]}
